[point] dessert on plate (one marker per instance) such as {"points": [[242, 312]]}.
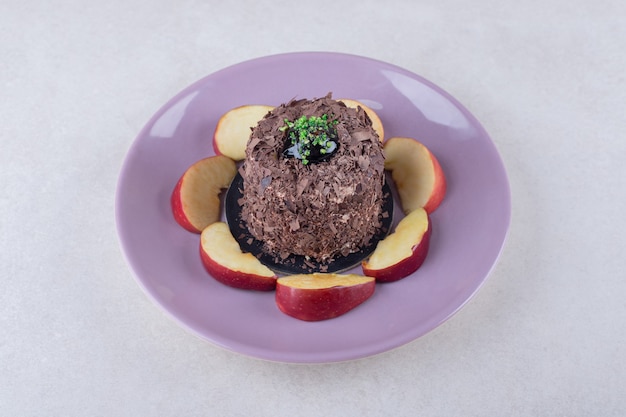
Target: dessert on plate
{"points": [[313, 179], [307, 197]]}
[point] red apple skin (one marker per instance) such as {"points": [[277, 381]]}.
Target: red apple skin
{"points": [[323, 303], [236, 279], [406, 266], [412, 164], [439, 189], [195, 199], [177, 209]]}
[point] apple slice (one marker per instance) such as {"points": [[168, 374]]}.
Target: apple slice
{"points": [[402, 252], [315, 297], [195, 200], [377, 124], [223, 259], [419, 179], [233, 129]]}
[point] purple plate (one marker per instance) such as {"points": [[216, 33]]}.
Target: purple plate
{"points": [[469, 228]]}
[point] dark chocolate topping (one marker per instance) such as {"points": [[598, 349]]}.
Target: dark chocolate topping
{"points": [[317, 210]]}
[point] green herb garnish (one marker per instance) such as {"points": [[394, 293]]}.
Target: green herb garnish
{"points": [[310, 138]]}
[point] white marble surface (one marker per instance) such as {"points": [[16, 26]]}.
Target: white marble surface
{"points": [[546, 335]]}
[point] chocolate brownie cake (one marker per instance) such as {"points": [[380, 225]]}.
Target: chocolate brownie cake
{"points": [[313, 180]]}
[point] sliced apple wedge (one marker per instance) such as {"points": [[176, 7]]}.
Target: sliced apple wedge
{"points": [[223, 259], [419, 179], [195, 200], [233, 129], [377, 124], [402, 252], [315, 297]]}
